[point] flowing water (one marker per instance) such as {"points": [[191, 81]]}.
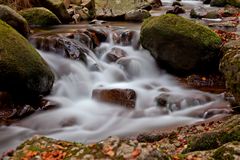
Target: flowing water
{"points": [[83, 119], [80, 118]]}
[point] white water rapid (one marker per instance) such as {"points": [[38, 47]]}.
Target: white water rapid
{"points": [[80, 118]]}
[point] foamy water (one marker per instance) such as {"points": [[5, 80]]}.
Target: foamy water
{"points": [[80, 118]]}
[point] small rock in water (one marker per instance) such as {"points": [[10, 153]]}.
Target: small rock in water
{"points": [[115, 54], [177, 102], [123, 97], [176, 10]]}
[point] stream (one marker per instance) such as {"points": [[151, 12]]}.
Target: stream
{"points": [[81, 118]]}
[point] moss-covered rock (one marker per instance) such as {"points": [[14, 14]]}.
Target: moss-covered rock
{"points": [[227, 132], [23, 71], [40, 16], [14, 19], [229, 151], [58, 7], [230, 67], [180, 45]]}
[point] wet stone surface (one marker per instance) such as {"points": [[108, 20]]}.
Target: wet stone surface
{"points": [[122, 97]]}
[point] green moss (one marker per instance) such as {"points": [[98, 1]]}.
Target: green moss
{"points": [[22, 68], [40, 16], [213, 140], [174, 25]]}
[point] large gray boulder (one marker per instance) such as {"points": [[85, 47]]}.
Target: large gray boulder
{"points": [[14, 19], [179, 45], [40, 16]]}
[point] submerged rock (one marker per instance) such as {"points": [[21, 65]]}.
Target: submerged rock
{"points": [[23, 71], [14, 19], [40, 16], [230, 67], [122, 97], [179, 45], [115, 54]]}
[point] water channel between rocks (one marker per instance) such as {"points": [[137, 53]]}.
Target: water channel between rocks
{"points": [[81, 118]]}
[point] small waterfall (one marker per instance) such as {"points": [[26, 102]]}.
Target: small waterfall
{"points": [[160, 102]]}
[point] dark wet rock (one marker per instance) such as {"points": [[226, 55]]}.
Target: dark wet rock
{"points": [[25, 80], [222, 3], [199, 12], [177, 102], [181, 46], [137, 15], [229, 66], [100, 34], [155, 3], [229, 132], [40, 16], [176, 3], [63, 46], [218, 3], [206, 1], [146, 7], [14, 19], [176, 10], [115, 54], [126, 38], [212, 83], [122, 97], [151, 138]]}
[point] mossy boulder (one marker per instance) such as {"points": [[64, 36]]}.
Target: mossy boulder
{"points": [[14, 19], [23, 72], [230, 67], [229, 151], [229, 131], [179, 45], [40, 16], [58, 7]]}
